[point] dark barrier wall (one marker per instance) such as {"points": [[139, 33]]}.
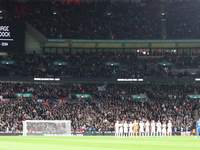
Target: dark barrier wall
{"points": [[12, 36], [118, 80], [85, 134]]}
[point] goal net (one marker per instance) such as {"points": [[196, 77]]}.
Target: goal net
{"points": [[47, 128]]}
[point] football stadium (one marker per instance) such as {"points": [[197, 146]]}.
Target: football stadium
{"points": [[99, 74]]}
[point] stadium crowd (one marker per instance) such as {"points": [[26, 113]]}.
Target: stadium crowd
{"points": [[187, 62], [95, 20], [81, 65], [101, 110], [72, 20], [181, 23], [135, 21], [93, 64], [105, 20]]}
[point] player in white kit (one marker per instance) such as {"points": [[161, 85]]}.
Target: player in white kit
{"points": [[117, 129], [147, 124], [130, 129], [158, 128], [125, 129], [141, 131], [164, 129], [153, 126], [169, 125], [121, 129]]}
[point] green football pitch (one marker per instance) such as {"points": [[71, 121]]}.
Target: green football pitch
{"points": [[97, 143]]}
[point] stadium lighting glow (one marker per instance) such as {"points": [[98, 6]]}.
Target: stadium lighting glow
{"points": [[0, 11]]}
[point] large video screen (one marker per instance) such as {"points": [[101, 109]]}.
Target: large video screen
{"points": [[12, 36]]}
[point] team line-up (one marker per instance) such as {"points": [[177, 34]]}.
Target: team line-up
{"points": [[132, 129]]}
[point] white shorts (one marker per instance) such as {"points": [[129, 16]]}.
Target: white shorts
{"points": [[169, 130], [147, 129], [126, 131], [164, 131], [159, 130], [141, 130], [153, 130], [130, 131]]}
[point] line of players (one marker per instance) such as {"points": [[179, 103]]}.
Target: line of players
{"points": [[131, 129]]}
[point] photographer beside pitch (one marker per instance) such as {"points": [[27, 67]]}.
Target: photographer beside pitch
{"points": [[198, 128]]}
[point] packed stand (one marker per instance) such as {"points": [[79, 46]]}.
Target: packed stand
{"points": [[187, 62], [71, 20], [105, 20], [136, 20], [199, 112], [93, 65], [131, 65], [99, 113], [32, 65], [164, 103], [82, 65], [94, 20], [181, 22]]}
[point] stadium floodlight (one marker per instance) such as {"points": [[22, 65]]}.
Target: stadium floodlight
{"points": [[47, 128]]}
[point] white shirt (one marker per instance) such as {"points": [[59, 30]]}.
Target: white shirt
{"points": [[164, 126], [116, 127], [153, 125], [181, 129], [141, 125], [147, 125], [130, 127], [121, 127], [125, 126], [159, 125], [169, 125]]}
